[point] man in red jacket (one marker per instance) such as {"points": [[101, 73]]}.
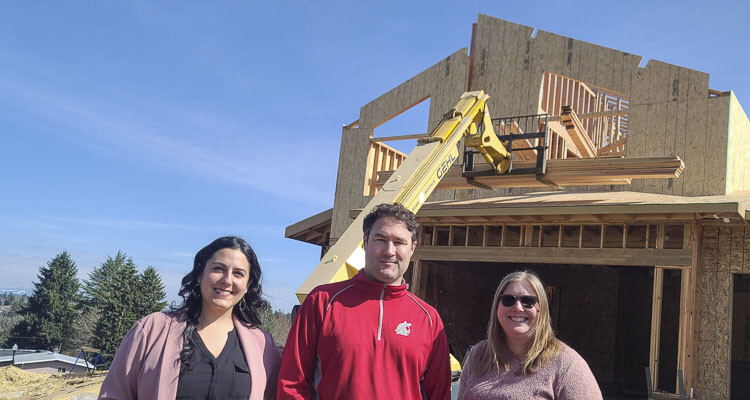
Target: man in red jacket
{"points": [[368, 337]]}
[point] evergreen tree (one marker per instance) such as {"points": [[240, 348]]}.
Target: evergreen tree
{"points": [[150, 292], [95, 289], [122, 296], [111, 288], [49, 314]]}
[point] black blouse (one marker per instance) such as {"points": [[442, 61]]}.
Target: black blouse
{"points": [[223, 377]]}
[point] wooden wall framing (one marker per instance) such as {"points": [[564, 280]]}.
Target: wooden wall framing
{"points": [[474, 243]]}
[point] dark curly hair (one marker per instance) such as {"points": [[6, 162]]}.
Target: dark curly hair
{"points": [[192, 302], [396, 211]]}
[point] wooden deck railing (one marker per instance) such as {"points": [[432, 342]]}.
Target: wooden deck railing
{"points": [[380, 158], [603, 113]]}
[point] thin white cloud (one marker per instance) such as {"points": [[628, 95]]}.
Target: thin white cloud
{"points": [[190, 141], [131, 224], [180, 254]]}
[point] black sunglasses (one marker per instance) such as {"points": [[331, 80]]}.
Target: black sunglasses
{"points": [[509, 300]]}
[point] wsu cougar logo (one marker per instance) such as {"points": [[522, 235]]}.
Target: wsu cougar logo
{"points": [[403, 329]]}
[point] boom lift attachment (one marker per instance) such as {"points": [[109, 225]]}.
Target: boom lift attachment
{"points": [[413, 182]]}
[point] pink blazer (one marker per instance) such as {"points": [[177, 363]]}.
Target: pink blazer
{"points": [[147, 364]]}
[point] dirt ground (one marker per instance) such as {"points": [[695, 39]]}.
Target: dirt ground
{"points": [[18, 384]]}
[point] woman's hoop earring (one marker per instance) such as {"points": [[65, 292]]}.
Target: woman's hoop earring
{"points": [[242, 304], [196, 293]]}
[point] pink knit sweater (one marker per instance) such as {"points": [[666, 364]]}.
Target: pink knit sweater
{"points": [[567, 376]]}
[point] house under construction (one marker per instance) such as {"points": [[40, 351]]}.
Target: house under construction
{"points": [[646, 263]]}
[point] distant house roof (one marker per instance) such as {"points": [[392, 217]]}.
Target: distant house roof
{"points": [[9, 352], [46, 356]]}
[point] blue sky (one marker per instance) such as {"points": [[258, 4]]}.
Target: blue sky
{"points": [[155, 127]]}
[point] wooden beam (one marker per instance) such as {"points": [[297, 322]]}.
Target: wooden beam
{"points": [[683, 330], [689, 370], [555, 255], [611, 147], [600, 114], [352, 125], [718, 93], [567, 172], [416, 275], [577, 133], [558, 129], [399, 137], [656, 325], [526, 155]]}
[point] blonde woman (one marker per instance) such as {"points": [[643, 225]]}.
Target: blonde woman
{"points": [[521, 358]]}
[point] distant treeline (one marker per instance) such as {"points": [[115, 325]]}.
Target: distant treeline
{"points": [[64, 314]]}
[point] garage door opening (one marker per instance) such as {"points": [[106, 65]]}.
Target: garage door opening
{"points": [[603, 312], [740, 388]]}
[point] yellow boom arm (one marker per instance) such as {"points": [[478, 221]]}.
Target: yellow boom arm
{"points": [[413, 182]]}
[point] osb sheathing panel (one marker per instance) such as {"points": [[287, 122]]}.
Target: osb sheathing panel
{"points": [[508, 63], [355, 145], [671, 114], [739, 147], [724, 251], [443, 83], [670, 111]]}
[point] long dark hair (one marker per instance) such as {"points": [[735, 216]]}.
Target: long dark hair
{"points": [[192, 302]]}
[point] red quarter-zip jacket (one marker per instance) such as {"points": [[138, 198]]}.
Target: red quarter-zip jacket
{"points": [[361, 339]]}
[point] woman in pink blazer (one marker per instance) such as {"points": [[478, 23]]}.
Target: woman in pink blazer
{"points": [[210, 346]]}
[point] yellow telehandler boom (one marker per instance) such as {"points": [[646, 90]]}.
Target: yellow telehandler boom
{"points": [[411, 184]]}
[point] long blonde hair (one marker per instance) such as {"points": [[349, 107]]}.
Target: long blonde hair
{"points": [[541, 347]]}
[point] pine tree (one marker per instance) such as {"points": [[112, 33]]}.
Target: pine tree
{"points": [[112, 288], [150, 292], [100, 278], [49, 314]]}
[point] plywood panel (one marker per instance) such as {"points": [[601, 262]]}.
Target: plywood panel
{"points": [[631, 62], [656, 131], [637, 136], [724, 250], [522, 80], [605, 68], [670, 136], [557, 52], [534, 73], [682, 85], [587, 69], [657, 97], [739, 147], [510, 74], [716, 146], [433, 82], [618, 68], [737, 250], [355, 145], [497, 64], [479, 57], [710, 254], [713, 335], [572, 58], [638, 133], [695, 139]]}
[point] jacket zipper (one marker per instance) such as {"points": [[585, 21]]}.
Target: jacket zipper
{"points": [[380, 317]]}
